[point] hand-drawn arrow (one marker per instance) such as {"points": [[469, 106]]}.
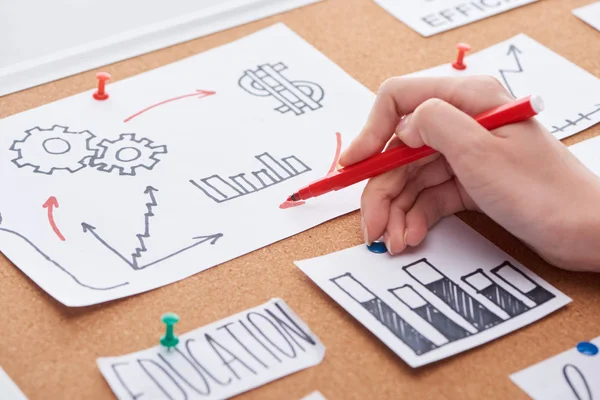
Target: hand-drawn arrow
{"points": [[199, 93], [514, 51], [133, 260], [50, 204]]}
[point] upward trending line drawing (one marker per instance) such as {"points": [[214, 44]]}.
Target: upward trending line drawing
{"points": [[274, 172]]}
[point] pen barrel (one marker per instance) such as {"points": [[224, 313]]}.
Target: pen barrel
{"points": [[510, 113]]}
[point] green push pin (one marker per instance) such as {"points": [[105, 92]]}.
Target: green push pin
{"points": [[169, 339]]}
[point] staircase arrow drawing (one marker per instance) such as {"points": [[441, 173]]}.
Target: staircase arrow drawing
{"points": [[514, 52]]}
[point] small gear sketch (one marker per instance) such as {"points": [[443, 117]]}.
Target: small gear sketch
{"points": [[126, 154], [56, 148]]}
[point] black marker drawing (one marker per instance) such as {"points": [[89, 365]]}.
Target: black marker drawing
{"points": [[522, 283], [452, 294], [53, 149], [514, 51], [417, 303], [577, 382], [384, 313], [580, 117], [266, 80], [55, 263], [486, 287], [126, 154], [221, 190], [133, 261]]}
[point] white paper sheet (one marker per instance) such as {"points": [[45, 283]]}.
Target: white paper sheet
{"points": [[568, 375], [79, 36], [590, 14], [9, 389], [316, 395], [524, 66], [588, 152], [138, 212], [220, 360], [454, 292], [429, 17]]}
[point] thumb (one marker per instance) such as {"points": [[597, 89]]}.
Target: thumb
{"points": [[445, 128]]}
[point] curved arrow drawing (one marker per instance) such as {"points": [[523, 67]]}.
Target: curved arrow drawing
{"points": [[51, 204], [198, 93], [55, 263], [133, 260], [336, 159]]}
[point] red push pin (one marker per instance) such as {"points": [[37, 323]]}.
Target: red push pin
{"points": [[462, 49], [100, 94]]}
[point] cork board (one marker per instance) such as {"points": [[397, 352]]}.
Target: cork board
{"points": [[50, 350]]}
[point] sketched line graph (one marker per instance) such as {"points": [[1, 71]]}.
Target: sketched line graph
{"points": [[55, 263], [476, 317], [504, 73], [267, 80], [273, 172], [133, 260]]}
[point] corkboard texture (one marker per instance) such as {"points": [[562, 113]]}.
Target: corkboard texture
{"points": [[50, 350]]}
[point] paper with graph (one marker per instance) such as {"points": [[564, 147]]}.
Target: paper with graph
{"points": [[526, 67], [569, 375], [182, 168], [454, 292]]}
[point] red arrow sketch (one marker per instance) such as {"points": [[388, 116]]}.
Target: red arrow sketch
{"points": [[50, 204], [199, 93], [336, 159]]}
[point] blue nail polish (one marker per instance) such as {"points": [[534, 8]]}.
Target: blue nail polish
{"points": [[377, 247], [587, 348]]}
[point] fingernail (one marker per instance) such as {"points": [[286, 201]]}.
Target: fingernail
{"points": [[363, 226], [405, 236], [388, 244], [402, 124]]}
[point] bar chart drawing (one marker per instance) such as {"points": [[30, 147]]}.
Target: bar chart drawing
{"points": [[452, 294], [383, 313], [515, 278], [492, 291], [273, 172], [440, 321]]}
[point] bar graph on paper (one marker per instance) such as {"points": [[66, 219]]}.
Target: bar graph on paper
{"points": [[271, 172], [464, 315]]}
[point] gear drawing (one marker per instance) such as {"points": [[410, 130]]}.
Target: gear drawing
{"points": [[126, 154], [49, 150]]}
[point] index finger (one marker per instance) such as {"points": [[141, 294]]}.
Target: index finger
{"points": [[402, 95]]}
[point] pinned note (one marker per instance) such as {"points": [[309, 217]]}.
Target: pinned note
{"points": [[454, 292], [219, 360], [572, 374], [590, 14], [429, 17], [116, 197], [525, 67]]}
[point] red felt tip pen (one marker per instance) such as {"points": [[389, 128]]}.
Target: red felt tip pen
{"points": [[515, 111]]}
